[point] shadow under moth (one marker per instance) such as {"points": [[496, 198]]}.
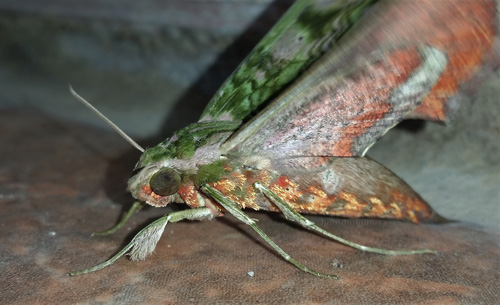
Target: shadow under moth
{"points": [[289, 130]]}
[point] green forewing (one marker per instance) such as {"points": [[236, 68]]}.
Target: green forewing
{"points": [[300, 37], [184, 143]]}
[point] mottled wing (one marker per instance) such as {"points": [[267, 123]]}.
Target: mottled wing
{"points": [[344, 113], [300, 37], [379, 74], [348, 187], [464, 30]]}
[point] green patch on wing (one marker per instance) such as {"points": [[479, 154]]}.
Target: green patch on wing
{"points": [[299, 38], [210, 173], [184, 142]]}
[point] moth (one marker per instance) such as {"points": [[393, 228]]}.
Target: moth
{"points": [[289, 130]]}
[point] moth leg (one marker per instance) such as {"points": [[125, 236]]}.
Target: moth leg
{"points": [[145, 241], [135, 208], [293, 215], [235, 210]]}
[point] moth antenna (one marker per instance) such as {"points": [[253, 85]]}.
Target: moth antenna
{"points": [[105, 119]]}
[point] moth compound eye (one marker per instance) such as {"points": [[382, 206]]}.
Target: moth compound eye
{"points": [[165, 182]]}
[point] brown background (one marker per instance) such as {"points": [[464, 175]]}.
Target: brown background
{"points": [[62, 175]]}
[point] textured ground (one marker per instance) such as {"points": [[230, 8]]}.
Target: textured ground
{"points": [[60, 181], [62, 177]]}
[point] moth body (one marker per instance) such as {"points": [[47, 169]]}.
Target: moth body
{"points": [[348, 187]]}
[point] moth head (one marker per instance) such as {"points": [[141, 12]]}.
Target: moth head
{"points": [[159, 174], [164, 169], [165, 182], [156, 185], [157, 177]]}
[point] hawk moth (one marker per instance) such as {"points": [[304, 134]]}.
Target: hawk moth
{"points": [[289, 130]]}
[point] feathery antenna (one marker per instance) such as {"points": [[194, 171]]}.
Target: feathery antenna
{"points": [[105, 119]]}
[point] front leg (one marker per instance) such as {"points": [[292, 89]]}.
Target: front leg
{"points": [[133, 209], [145, 241]]}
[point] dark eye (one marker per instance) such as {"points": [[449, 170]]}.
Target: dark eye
{"points": [[165, 182]]}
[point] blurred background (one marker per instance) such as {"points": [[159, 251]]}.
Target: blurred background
{"points": [[136, 61]]}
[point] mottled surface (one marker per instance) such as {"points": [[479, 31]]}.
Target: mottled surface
{"points": [[60, 181]]}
